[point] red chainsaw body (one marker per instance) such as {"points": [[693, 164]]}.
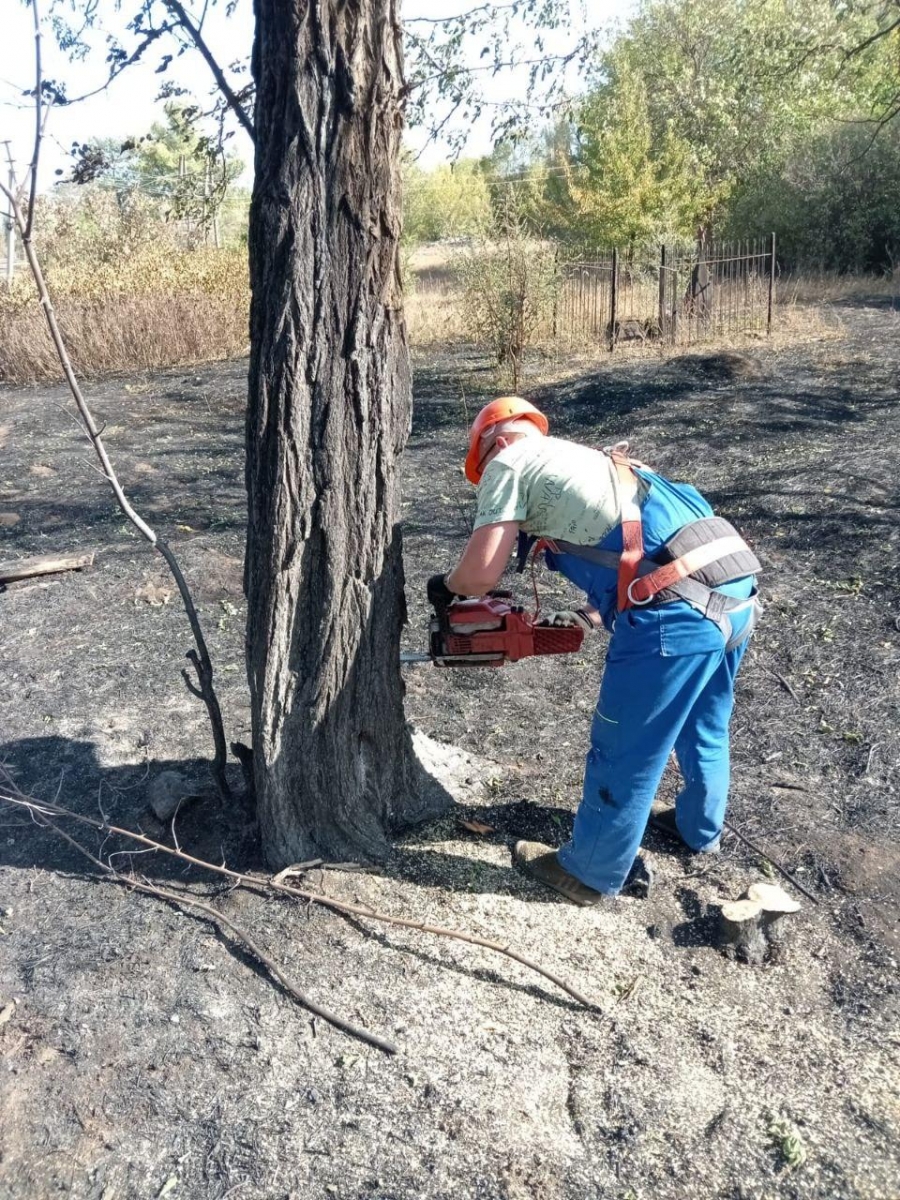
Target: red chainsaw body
{"points": [[491, 631]]}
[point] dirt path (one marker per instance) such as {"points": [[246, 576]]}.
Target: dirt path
{"points": [[145, 1056]]}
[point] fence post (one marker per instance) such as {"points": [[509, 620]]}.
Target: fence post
{"points": [[614, 299], [771, 282], [662, 291], [557, 284]]}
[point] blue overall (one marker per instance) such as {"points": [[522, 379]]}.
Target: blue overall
{"points": [[667, 684]]}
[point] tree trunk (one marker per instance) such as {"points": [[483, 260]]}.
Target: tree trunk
{"points": [[329, 412]]}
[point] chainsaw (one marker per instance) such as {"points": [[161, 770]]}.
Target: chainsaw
{"points": [[490, 632]]}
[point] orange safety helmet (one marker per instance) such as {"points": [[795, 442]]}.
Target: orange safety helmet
{"points": [[507, 408]]}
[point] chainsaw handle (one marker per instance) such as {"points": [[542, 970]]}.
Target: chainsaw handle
{"points": [[442, 609]]}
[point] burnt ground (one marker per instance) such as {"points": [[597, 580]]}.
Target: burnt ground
{"points": [[146, 1055]]}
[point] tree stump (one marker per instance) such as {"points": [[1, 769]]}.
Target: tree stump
{"points": [[753, 929]]}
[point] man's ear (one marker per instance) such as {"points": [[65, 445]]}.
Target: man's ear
{"points": [[502, 442]]}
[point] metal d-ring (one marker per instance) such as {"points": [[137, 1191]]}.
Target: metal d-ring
{"points": [[631, 599]]}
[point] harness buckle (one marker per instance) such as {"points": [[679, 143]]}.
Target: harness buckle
{"points": [[632, 600]]}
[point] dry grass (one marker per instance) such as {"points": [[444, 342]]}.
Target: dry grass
{"points": [[121, 333], [156, 307], [798, 321], [435, 317], [434, 313], [160, 306], [826, 287]]}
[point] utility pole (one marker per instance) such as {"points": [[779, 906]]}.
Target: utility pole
{"points": [[10, 222]]}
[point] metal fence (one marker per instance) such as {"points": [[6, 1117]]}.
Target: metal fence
{"points": [[670, 295]]}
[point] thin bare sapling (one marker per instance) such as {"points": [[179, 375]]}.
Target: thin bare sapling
{"points": [[24, 220]]}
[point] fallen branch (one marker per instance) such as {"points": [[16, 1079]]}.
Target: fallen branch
{"points": [[181, 898], [769, 859], [787, 685], [46, 564], [20, 800]]}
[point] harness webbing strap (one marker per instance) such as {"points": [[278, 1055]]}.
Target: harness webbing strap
{"points": [[632, 530], [642, 590], [704, 554]]}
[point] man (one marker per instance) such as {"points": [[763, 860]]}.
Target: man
{"points": [[674, 586]]}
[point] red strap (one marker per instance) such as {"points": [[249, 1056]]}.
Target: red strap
{"points": [[642, 590], [632, 530]]}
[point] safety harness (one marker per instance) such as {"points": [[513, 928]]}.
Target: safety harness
{"points": [[701, 557]]}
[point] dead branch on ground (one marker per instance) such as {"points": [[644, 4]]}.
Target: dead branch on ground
{"points": [[44, 809], [182, 898], [45, 564], [787, 685], [198, 657], [742, 837]]}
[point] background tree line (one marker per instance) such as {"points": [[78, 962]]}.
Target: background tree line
{"points": [[735, 117]]}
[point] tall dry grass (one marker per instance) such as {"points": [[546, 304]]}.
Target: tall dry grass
{"points": [[123, 333], [129, 297], [126, 294], [827, 287], [434, 314]]}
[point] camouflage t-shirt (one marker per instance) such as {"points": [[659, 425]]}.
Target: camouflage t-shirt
{"points": [[553, 489]]}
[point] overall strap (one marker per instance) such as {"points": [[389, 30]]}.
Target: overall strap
{"points": [[632, 528]]}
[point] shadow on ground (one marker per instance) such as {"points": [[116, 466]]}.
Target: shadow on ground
{"points": [[67, 772]]}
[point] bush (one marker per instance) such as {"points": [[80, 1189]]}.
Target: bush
{"points": [[510, 283], [834, 206], [126, 294]]}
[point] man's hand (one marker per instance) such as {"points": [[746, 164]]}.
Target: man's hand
{"points": [[439, 595], [570, 618]]}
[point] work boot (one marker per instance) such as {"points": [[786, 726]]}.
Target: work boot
{"points": [[540, 862], [663, 820]]}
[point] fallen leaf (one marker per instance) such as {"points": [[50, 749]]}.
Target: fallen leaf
{"points": [[8, 519], [476, 826], [7, 1011], [186, 528], [169, 1186]]}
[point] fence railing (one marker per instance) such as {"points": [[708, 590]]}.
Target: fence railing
{"points": [[715, 290]]}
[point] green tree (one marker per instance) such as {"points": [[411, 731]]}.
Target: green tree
{"points": [[740, 81], [627, 182], [186, 171], [833, 205], [697, 106], [450, 201]]}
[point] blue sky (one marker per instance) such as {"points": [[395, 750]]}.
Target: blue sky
{"points": [[128, 107]]}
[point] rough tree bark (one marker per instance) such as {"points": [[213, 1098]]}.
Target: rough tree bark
{"points": [[329, 412]]}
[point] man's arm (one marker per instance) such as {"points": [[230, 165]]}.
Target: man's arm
{"points": [[484, 559]]}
